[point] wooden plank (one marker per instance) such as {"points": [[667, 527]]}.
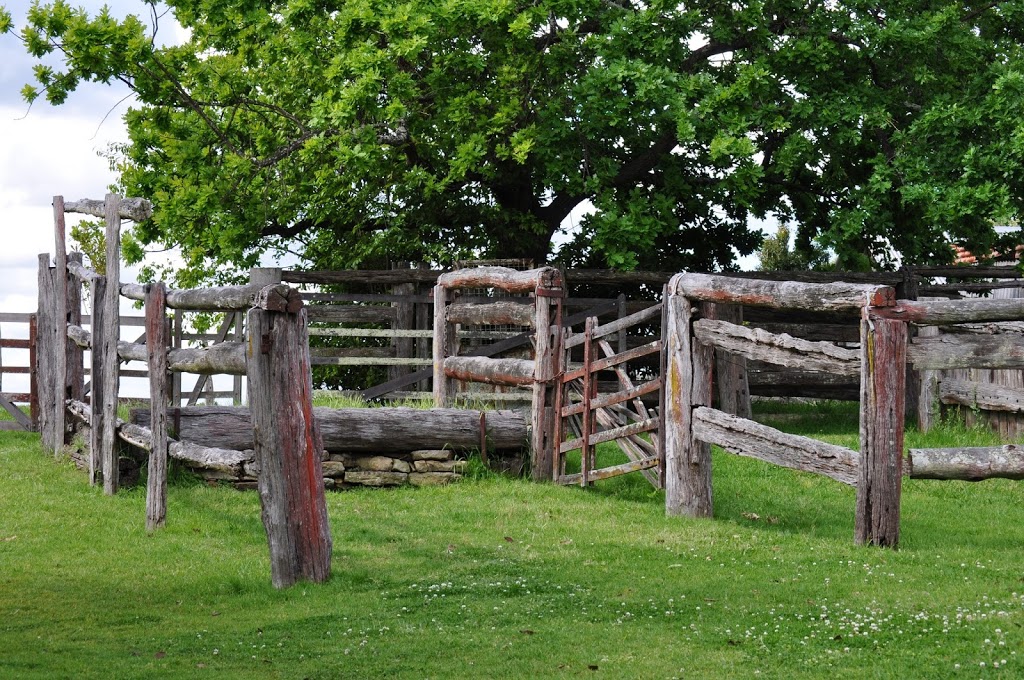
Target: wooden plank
{"points": [[612, 471], [948, 351], [939, 312], [16, 413], [352, 314], [883, 389], [984, 396], [502, 278], [687, 475], [586, 446], [782, 350], [606, 400], [842, 297], [507, 372], [16, 317], [731, 369], [11, 343], [46, 360], [748, 438], [363, 276], [618, 325], [108, 377], [405, 319], [364, 352], [33, 361], [370, 361], [971, 464], [615, 433], [499, 313], [373, 333], [60, 300], [75, 357], [22, 370], [288, 447], [605, 364], [157, 342]]}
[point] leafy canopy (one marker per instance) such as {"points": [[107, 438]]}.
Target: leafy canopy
{"points": [[354, 131]]}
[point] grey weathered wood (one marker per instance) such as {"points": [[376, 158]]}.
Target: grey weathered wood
{"points": [[985, 396], [928, 398], [748, 438], [731, 369], [783, 350], [75, 356], [828, 332], [221, 358], [502, 278], [499, 313], [883, 353], [352, 314], [60, 300], [81, 272], [609, 362], [970, 464], [288, 447], [606, 400], [844, 297], [106, 406], [618, 325], [939, 312], [136, 209], [46, 360], [948, 351], [547, 365], [609, 472], [445, 345], [156, 342], [612, 434], [405, 319], [687, 475], [508, 372], [361, 429]]}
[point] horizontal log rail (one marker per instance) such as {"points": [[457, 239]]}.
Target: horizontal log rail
{"points": [[625, 322], [970, 464], [748, 438], [824, 297], [224, 298], [505, 372], [502, 278], [966, 351], [782, 350], [606, 400], [620, 358], [612, 434], [370, 361], [985, 396], [939, 312], [13, 343], [499, 313], [137, 209], [611, 471], [81, 272], [232, 462]]}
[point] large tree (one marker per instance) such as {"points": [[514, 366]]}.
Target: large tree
{"points": [[354, 131]]}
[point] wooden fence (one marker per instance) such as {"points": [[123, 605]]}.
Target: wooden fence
{"points": [[694, 335]]}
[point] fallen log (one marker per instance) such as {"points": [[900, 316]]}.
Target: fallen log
{"points": [[971, 464], [358, 429]]}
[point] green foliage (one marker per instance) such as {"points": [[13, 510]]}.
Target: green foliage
{"points": [[353, 132], [91, 241], [776, 254]]}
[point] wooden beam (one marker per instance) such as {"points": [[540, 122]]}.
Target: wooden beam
{"points": [[947, 351], [136, 209], [503, 278], [971, 464], [499, 313], [782, 350], [939, 312], [984, 396], [507, 372], [822, 297]]}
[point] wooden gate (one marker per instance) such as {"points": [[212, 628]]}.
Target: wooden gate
{"points": [[593, 417]]}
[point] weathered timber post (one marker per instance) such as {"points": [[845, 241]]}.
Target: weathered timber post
{"points": [[33, 362], [61, 318], [288, 445], [688, 385], [46, 356], [446, 343], [106, 407], [548, 313], [405, 319], [883, 387], [75, 354], [928, 388], [733, 388], [156, 346]]}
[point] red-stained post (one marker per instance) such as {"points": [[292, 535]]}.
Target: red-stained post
{"points": [[156, 344], [883, 389], [288, 444]]}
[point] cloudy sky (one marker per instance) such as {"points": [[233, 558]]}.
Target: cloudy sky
{"points": [[47, 151]]}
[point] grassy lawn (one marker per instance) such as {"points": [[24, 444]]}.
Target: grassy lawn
{"points": [[499, 578]]}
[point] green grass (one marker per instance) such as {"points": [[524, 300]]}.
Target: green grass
{"points": [[500, 578]]}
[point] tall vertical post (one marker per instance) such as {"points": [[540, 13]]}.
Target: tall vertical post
{"points": [[733, 388], [586, 458], [46, 351], [33, 363], [548, 300], [156, 346], [60, 314], [97, 369], [111, 334], [75, 354], [288, 441], [688, 385], [882, 391], [405, 319], [446, 342]]}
